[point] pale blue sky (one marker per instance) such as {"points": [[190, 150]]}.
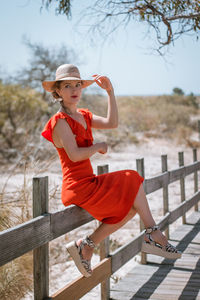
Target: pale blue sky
{"points": [[125, 58]]}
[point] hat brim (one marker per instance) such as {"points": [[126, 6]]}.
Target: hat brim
{"points": [[49, 85]]}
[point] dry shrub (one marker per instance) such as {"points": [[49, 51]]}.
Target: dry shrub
{"points": [[182, 133], [16, 276], [167, 116], [158, 116], [16, 279], [192, 144], [95, 103]]}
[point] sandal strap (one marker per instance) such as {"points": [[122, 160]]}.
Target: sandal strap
{"points": [[87, 265], [87, 241], [149, 230], [170, 248]]}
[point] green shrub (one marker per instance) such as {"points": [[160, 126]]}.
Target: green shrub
{"points": [[21, 113]]}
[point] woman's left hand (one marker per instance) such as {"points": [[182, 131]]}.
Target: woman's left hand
{"points": [[103, 82]]}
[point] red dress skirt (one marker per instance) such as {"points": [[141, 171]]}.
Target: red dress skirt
{"points": [[107, 197]]}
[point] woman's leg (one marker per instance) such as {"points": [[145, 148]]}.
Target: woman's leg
{"points": [[141, 207], [103, 231]]}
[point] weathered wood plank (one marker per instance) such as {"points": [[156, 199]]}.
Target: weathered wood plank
{"points": [[41, 254], [155, 183], [141, 171], [126, 252], [182, 183], [193, 200], [82, 285], [184, 207], [164, 168], [68, 219], [163, 224], [61, 223], [176, 174], [195, 177], [195, 166], [193, 218], [16, 241], [181, 172], [104, 248], [104, 253]]}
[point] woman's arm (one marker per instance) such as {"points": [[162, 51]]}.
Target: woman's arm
{"points": [[111, 121], [64, 137]]}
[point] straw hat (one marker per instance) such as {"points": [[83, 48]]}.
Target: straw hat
{"points": [[66, 72]]}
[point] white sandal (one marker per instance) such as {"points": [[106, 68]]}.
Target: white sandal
{"points": [[75, 251], [151, 247]]}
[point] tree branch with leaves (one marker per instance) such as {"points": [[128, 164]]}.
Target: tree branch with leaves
{"points": [[168, 19]]}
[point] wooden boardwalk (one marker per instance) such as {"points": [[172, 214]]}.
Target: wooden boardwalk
{"points": [[163, 278]]}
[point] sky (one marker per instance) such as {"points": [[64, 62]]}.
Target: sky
{"points": [[125, 57]]}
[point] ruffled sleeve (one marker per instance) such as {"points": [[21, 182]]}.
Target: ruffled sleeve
{"points": [[83, 137], [49, 127]]}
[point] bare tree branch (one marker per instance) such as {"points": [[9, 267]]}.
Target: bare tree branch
{"points": [[108, 16]]}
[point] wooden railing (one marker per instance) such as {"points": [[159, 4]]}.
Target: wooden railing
{"points": [[44, 227]]}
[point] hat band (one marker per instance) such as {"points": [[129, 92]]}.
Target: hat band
{"points": [[60, 76]]}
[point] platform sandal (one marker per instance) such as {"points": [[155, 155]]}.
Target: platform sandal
{"points": [[151, 247], [75, 251]]}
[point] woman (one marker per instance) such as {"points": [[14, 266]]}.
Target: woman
{"points": [[112, 198]]}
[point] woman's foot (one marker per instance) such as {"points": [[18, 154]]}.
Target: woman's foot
{"points": [[81, 252], [156, 243], [86, 250], [158, 237]]}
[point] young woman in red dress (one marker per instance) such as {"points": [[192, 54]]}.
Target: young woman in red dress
{"points": [[112, 198]]}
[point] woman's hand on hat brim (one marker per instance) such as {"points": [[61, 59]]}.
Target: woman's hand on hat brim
{"points": [[104, 82]]}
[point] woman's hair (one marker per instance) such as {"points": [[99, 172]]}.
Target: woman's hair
{"points": [[54, 93]]}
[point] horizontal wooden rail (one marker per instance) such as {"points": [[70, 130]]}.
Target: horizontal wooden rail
{"points": [[157, 182], [123, 254], [68, 219], [19, 240], [27, 236], [184, 207], [80, 286]]}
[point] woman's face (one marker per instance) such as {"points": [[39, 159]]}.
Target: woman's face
{"points": [[70, 91]]}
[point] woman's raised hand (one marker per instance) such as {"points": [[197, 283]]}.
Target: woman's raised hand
{"points": [[103, 82]]}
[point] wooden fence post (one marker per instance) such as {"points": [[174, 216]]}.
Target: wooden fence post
{"points": [[182, 183], [165, 191], [140, 169], [40, 254], [104, 248], [199, 128], [195, 177]]}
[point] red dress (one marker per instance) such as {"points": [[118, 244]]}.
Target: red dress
{"points": [[107, 197]]}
